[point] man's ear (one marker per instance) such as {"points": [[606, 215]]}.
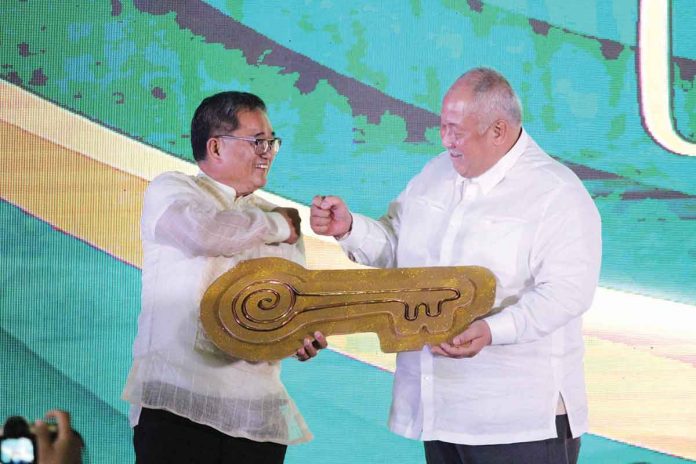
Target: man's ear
{"points": [[212, 148], [499, 130]]}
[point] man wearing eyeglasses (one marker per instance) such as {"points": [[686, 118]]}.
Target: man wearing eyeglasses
{"points": [[510, 388], [189, 401]]}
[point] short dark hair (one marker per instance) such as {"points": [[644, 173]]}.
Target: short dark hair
{"points": [[216, 112]]}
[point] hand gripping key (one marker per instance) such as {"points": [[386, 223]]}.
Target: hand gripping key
{"points": [[262, 309]]}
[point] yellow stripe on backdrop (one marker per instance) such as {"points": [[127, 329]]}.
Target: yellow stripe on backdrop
{"points": [[89, 181]]}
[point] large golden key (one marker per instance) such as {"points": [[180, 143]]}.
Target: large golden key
{"points": [[263, 309]]}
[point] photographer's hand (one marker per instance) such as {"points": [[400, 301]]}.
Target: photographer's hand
{"points": [[66, 448]]}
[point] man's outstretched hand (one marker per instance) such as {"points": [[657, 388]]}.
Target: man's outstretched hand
{"points": [[311, 346], [330, 216], [293, 217], [468, 343]]}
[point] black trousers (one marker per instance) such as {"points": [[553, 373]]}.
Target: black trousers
{"points": [[561, 450], [163, 437]]}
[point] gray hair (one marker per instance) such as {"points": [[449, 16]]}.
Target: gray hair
{"points": [[494, 98]]}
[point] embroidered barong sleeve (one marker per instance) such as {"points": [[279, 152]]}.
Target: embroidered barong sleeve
{"points": [[185, 220], [206, 232]]}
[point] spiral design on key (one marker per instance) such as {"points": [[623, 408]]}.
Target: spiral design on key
{"points": [[265, 305]]}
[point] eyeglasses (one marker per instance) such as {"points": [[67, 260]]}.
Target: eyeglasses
{"points": [[261, 146]]}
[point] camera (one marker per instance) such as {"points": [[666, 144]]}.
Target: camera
{"points": [[18, 442]]}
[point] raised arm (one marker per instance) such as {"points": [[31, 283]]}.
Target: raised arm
{"points": [[365, 240], [204, 232], [330, 216], [175, 214]]}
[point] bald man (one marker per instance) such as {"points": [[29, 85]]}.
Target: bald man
{"points": [[510, 388]]}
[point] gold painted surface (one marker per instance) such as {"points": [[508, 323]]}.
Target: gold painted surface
{"points": [[262, 309], [640, 388]]}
